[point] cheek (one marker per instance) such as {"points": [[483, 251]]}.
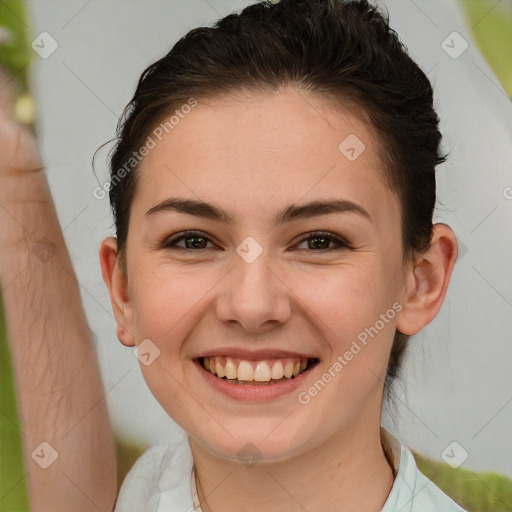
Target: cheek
{"points": [[164, 303], [347, 298], [352, 310], [164, 295], [351, 307]]}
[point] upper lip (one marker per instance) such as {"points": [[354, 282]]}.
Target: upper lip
{"points": [[255, 355]]}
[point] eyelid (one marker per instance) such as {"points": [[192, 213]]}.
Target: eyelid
{"points": [[177, 237], [341, 243]]}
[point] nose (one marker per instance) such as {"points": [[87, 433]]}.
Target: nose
{"points": [[255, 295]]}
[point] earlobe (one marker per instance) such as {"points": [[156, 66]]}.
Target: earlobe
{"points": [[427, 282], [116, 282]]}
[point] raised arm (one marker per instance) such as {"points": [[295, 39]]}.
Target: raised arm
{"points": [[67, 437]]}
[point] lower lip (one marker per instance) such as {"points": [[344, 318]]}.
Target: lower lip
{"points": [[254, 393]]}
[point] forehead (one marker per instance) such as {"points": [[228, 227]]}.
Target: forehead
{"points": [[249, 152]]}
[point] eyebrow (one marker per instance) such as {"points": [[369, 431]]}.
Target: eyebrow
{"points": [[292, 212]]}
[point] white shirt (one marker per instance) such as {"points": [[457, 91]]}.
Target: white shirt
{"points": [[163, 480]]}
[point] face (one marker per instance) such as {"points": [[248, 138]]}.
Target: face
{"points": [[262, 288]]}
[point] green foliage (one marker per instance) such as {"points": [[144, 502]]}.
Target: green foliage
{"points": [[491, 25], [16, 55], [474, 491], [13, 492]]}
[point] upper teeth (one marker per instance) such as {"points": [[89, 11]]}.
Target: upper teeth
{"points": [[260, 371]]}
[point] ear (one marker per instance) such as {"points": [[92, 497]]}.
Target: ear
{"points": [[427, 281], [117, 284]]}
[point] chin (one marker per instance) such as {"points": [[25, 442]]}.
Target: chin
{"points": [[256, 446]]}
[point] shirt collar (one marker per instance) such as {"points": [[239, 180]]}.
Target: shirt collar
{"points": [[163, 479]]}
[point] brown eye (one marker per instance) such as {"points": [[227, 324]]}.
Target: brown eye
{"points": [[322, 239], [197, 240], [193, 240]]}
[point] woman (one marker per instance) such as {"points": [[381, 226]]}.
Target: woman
{"points": [[295, 144], [273, 189]]}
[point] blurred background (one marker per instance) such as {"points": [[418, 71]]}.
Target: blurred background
{"points": [[69, 68]]}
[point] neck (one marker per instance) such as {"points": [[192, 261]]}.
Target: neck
{"points": [[349, 472]]}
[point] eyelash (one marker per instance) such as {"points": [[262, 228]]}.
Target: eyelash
{"points": [[170, 243]]}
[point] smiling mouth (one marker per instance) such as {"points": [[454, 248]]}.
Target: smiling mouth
{"points": [[256, 373]]}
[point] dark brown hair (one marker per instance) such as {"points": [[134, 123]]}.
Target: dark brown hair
{"points": [[342, 50]]}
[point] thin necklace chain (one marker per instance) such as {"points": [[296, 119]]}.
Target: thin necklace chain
{"points": [[195, 496]]}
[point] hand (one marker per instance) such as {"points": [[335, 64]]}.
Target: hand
{"points": [[18, 148], [22, 184]]}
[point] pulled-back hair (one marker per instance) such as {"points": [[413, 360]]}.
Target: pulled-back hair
{"points": [[342, 50]]}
